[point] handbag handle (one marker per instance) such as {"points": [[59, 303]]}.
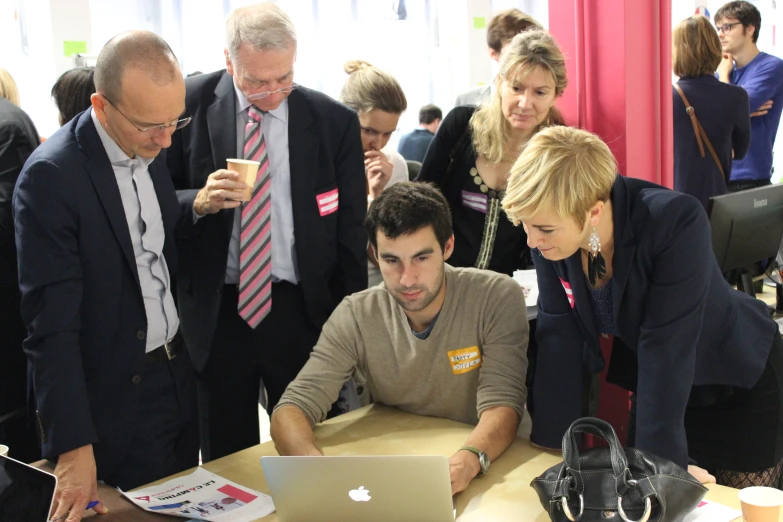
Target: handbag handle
{"points": [[600, 429], [699, 131]]}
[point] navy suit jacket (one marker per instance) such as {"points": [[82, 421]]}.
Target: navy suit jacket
{"points": [[679, 322], [81, 296], [325, 151]]}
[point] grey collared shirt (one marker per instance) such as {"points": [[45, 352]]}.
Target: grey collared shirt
{"points": [[274, 125], [142, 211]]}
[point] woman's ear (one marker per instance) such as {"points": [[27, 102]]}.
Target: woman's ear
{"points": [[595, 213]]}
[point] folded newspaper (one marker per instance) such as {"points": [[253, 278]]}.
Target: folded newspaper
{"points": [[203, 496]]}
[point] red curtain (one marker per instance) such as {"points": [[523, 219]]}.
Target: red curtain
{"points": [[618, 58]]}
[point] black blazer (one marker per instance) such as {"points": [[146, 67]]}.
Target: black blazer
{"points": [[18, 139], [680, 324], [325, 153], [81, 296]]}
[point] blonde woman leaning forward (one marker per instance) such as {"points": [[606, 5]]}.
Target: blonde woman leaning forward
{"points": [[634, 260], [378, 99], [470, 156]]}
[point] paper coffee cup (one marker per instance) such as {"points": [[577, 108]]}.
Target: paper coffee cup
{"points": [[247, 171], [3, 450], [760, 504]]}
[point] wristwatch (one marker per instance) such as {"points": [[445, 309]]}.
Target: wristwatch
{"points": [[483, 459]]}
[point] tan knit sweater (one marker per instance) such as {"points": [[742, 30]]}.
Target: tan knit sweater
{"points": [[474, 358]]}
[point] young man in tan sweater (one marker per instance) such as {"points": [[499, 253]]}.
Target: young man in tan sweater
{"points": [[432, 340]]}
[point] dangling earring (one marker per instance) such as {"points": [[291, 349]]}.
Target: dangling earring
{"points": [[596, 265]]}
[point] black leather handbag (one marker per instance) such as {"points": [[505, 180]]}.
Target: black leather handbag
{"points": [[614, 483]]}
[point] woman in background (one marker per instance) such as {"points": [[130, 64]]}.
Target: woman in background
{"points": [[72, 91], [721, 109], [8, 89], [378, 99], [470, 157]]}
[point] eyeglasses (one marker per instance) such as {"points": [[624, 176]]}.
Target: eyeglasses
{"points": [[726, 28], [152, 129], [267, 94]]}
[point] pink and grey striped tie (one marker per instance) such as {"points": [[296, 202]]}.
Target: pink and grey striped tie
{"points": [[255, 236]]}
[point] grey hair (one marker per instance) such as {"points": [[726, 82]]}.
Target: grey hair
{"points": [[263, 26]]}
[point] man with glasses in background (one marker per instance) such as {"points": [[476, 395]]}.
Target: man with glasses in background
{"points": [[95, 212], [761, 75], [259, 279]]}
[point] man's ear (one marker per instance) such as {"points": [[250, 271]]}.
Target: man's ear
{"points": [[493, 54], [99, 106], [448, 248], [229, 63]]}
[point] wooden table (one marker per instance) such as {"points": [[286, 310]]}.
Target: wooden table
{"points": [[504, 494]]}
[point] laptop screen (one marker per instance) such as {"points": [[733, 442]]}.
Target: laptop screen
{"points": [[26, 493]]}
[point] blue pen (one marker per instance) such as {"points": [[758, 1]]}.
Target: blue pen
{"points": [[91, 505]]}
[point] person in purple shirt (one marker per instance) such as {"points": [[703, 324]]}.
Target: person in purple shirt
{"points": [[761, 75]]}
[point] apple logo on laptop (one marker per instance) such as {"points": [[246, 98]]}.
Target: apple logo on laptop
{"points": [[360, 495]]}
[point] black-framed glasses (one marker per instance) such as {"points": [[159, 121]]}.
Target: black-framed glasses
{"points": [[725, 28], [160, 127], [267, 94]]}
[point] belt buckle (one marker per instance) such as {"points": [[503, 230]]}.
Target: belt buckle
{"points": [[169, 352]]}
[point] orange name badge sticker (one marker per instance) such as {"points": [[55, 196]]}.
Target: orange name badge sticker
{"points": [[465, 360]]}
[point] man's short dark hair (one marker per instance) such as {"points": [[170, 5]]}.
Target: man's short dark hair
{"points": [[744, 12], [142, 50], [72, 91], [407, 207], [430, 113], [505, 25]]}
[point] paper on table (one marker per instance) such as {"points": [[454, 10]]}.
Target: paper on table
{"points": [[712, 512], [203, 496], [529, 283]]}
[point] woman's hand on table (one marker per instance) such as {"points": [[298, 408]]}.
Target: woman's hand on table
{"points": [[702, 475]]}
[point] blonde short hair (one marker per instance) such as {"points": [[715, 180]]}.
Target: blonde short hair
{"points": [[526, 52], [562, 169], [369, 88], [8, 88], [696, 47]]}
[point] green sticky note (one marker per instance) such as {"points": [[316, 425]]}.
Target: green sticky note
{"points": [[71, 47], [479, 22]]}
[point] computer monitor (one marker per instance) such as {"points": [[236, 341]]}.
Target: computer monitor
{"points": [[747, 228]]}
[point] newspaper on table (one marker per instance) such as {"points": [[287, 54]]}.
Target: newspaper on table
{"points": [[203, 496]]}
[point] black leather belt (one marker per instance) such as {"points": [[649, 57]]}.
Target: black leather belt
{"points": [[167, 351]]}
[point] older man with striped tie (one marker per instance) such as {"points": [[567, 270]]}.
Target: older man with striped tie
{"points": [[259, 278]]}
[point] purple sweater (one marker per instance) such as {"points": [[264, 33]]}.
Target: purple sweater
{"points": [[762, 78]]}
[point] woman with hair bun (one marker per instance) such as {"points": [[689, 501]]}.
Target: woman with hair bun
{"points": [[378, 99]]}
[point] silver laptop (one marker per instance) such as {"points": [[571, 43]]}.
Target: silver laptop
{"points": [[26, 493], [358, 489]]}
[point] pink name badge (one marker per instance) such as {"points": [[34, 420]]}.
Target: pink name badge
{"points": [[328, 202]]}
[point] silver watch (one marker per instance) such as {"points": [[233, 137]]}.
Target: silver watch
{"points": [[482, 457]]}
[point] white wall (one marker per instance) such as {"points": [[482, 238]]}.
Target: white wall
{"points": [[33, 66]]}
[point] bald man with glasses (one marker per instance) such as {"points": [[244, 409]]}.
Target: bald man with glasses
{"points": [[259, 278], [95, 213]]}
